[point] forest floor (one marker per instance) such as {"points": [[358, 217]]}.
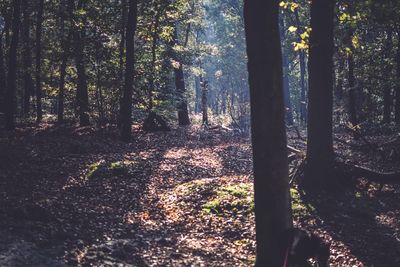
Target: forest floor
{"points": [[73, 196]]}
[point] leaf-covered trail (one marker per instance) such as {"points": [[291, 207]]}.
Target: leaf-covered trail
{"points": [[72, 196]]}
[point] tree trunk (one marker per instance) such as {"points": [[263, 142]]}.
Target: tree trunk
{"points": [[65, 44], [39, 22], [82, 97], [397, 107], [352, 91], [183, 113], [286, 89], [2, 76], [122, 43], [126, 103], [339, 84], [10, 94], [27, 61], [204, 102], [153, 61], [320, 95], [271, 182], [197, 104], [302, 63], [387, 93]]}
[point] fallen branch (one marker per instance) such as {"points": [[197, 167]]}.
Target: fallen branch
{"points": [[371, 175]]}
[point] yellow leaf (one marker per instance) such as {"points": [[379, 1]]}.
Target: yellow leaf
{"points": [[292, 29]]}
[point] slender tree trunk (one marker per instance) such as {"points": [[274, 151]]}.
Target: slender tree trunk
{"points": [[286, 86], [82, 97], [27, 61], [2, 76], [303, 96], [10, 94], [352, 91], [122, 43], [197, 104], [153, 62], [397, 107], [271, 183], [65, 44], [183, 113], [39, 22], [339, 84], [387, 94], [320, 95], [126, 104], [302, 63], [204, 102]]}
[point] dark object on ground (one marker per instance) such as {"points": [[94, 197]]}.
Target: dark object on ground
{"points": [[154, 123], [302, 246]]}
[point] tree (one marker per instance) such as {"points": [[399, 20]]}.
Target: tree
{"points": [[39, 22], [285, 62], [27, 60], [183, 113], [126, 103], [65, 44], [2, 75], [10, 94], [82, 97], [397, 92], [271, 186], [320, 95]]}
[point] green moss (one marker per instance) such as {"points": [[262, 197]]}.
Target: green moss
{"points": [[102, 168], [231, 199], [97, 168]]}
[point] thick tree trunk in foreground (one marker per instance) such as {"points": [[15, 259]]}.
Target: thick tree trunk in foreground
{"points": [[126, 103], [320, 95], [271, 182], [39, 21], [10, 94]]}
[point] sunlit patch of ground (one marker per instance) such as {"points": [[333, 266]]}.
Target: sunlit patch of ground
{"points": [[182, 198]]}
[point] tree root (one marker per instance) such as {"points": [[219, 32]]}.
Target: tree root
{"points": [[154, 123]]}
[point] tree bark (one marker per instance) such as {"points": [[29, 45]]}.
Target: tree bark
{"points": [[65, 44], [123, 39], [2, 76], [126, 103], [27, 61], [271, 181], [82, 97], [302, 63], [10, 94], [397, 107], [320, 95], [387, 93], [183, 113], [286, 86], [39, 22], [204, 102]]}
